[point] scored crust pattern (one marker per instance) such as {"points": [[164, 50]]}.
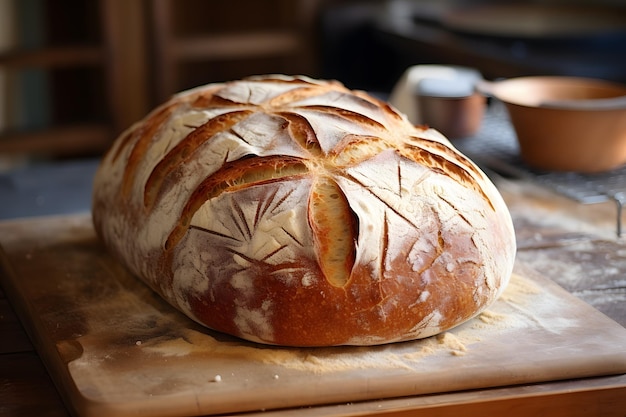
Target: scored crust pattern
{"points": [[293, 211]]}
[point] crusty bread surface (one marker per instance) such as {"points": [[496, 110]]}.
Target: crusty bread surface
{"points": [[294, 211]]}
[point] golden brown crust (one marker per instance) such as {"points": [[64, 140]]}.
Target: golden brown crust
{"points": [[293, 211]]}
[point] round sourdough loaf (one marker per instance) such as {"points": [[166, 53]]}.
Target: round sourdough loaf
{"points": [[296, 212]]}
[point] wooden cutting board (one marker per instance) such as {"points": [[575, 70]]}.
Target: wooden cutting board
{"points": [[114, 348]]}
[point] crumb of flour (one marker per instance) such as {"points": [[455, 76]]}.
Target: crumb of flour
{"points": [[491, 317], [453, 343], [426, 349]]}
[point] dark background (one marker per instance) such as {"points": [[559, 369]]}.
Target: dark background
{"points": [[75, 73]]}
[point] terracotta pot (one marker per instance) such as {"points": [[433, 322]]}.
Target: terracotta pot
{"points": [[565, 123], [455, 117], [451, 106]]}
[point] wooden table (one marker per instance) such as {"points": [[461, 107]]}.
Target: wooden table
{"points": [[572, 244]]}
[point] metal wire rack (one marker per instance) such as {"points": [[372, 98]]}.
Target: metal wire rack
{"points": [[495, 147]]}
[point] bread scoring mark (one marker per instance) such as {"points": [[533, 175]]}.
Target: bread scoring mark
{"points": [[302, 132], [441, 243], [292, 96], [387, 108], [274, 252], [441, 165], [276, 205], [354, 149], [240, 221], [185, 149], [232, 176], [213, 232], [399, 176], [440, 148], [334, 230], [381, 199], [209, 99], [360, 100], [143, 135], [262, 265], [459, 212], [263, 261], [282, 79], [427, 247], [268, 203], [280, 201], [264, 205], [349, 115], [384, 246], [291, 235]]}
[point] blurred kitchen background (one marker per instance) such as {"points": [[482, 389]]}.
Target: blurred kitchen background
{"points": [[75, 73]]}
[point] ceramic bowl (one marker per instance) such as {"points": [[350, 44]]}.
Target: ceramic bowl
{"points": [[565, 123]]}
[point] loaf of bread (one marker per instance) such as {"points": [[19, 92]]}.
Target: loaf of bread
{"points": [[296, 212]]}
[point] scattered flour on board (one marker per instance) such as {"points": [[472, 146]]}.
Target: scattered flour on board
{"points": [[317, 360], [505, 314], [518, 307]]}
